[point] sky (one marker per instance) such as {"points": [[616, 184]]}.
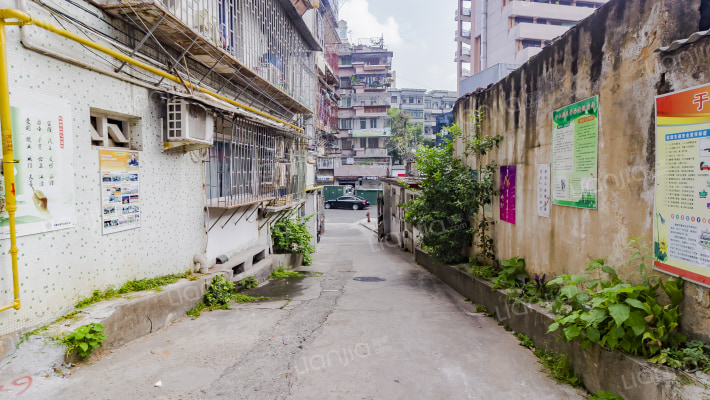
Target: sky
{"points": [[420, 33]]}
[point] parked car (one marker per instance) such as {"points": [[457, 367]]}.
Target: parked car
{"points": [[354, 202]]}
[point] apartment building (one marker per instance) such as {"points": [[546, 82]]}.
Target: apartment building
{"points": [[156, 137], [423, 107], [365, 74], [501, 35]]}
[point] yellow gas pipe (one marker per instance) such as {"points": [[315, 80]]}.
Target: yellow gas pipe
{"points": [[25, 19], [8, 167], [8, 160]]}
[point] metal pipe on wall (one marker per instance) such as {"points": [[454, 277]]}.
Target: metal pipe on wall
{"points": [[8, 165]]}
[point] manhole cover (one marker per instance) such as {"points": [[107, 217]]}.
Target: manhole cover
{"points": [[368, 279]]}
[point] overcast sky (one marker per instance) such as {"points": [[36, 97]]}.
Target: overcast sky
{"points": [[420, 33]]}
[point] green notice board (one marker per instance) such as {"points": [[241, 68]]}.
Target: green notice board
{"points": [[575, 138]]}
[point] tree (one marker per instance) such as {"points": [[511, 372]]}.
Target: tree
{"points": [[452, 195], [405, 137]]}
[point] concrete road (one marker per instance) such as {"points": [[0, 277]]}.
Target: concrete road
{"points": [[373, 326], [336, 216]]}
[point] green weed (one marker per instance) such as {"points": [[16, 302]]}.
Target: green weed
{"points": [[85, 339], [525, 341], [281, 272], [557, 367]]}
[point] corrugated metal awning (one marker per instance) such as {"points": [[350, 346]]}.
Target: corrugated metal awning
{"points": [[682, 42]]}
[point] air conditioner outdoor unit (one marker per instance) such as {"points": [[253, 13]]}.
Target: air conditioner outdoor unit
{"points": [[189, 122]]}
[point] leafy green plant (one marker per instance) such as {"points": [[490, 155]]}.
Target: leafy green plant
{"points": [[249, 282], [85, 339], [220, 292], [605, 396], [282, 273], [291, 236], [512, 275], [607, 311], [480, 308], [558, 367], [525, 341], [450, 195], [484, 271], [693, 356]]}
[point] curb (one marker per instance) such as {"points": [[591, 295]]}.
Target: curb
{"points": [[364, 223]]}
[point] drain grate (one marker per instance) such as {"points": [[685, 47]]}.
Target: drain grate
{"points": [[368, 279]]}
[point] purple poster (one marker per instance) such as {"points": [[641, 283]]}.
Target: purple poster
{"points": [[507, 193]]}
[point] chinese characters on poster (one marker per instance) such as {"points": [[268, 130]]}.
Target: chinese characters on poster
{"points": [[681, 219], [543, 190], [44, 175], [120, 199], [507, 193], [574, 154]]}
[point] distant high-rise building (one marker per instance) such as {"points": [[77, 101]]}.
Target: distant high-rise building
{"points": [[495, 36]]}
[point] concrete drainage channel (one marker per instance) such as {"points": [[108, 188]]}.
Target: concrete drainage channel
{"points": [[124, 319], [601, 369]]}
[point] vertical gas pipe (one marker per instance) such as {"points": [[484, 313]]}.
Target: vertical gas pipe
{"points": [[8, 163]]}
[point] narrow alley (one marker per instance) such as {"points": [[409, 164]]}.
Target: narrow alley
{"points": [[341, 335]]}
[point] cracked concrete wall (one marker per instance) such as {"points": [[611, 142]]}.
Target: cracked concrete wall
{"points": [[610, 54]]}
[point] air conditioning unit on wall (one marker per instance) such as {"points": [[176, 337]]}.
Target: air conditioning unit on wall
{"points": [[189, 122]]}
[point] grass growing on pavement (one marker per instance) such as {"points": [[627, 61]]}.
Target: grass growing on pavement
{"points": [[136, 285], [525, 341], [218, 297], [480, 308], [605, 396], [243, 298], [281, 272]]}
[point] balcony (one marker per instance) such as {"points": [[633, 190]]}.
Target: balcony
{"points": [[358, 170], [463, 15], [374, 152], [465, 55], [372, 132], [463, 34], [329, 163], [195, 28], [370, 111]]}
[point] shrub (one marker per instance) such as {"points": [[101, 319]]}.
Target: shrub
{"points": [[220, 292], [451, 195], [291, 236]]}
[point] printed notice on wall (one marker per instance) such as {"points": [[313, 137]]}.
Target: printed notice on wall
{"points": [[543, 190], [120, 199], [574, 154], [44, 176], [681, 221], [507, 193]]}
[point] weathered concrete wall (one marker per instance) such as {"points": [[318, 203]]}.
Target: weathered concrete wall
{"points": [[610, 54]]}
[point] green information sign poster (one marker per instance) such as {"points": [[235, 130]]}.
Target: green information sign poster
{"points": [[574, 154]]}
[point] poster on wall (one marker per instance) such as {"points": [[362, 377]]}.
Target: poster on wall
{"points": [[575, 136], [681, 219], [543, 190], [120, 198], [44, 175], [507, 193]]}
